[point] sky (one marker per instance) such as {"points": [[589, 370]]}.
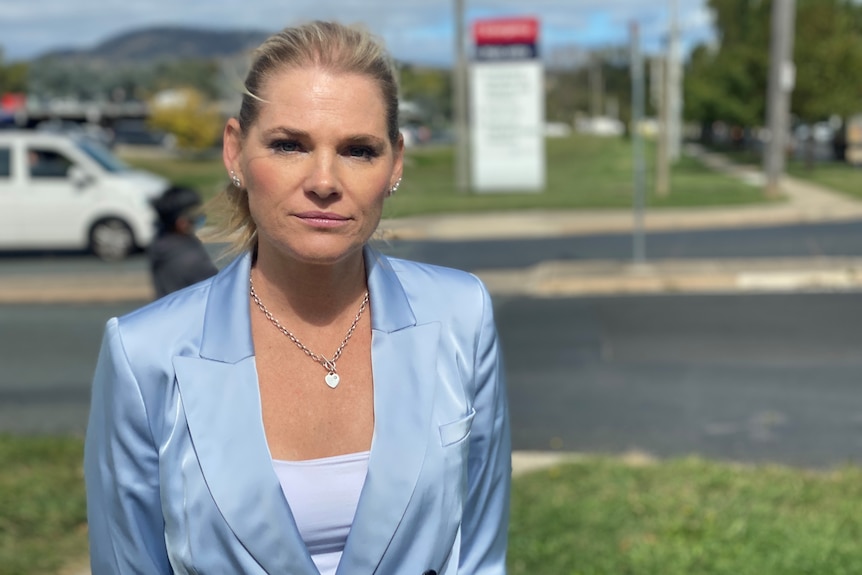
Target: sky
{"points": [[418, 31]]}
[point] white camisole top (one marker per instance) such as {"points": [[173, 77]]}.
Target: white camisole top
{"points": [[323, 495]]}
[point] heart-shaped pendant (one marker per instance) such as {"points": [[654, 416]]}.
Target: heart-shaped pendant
{"points": [[332, 379]]}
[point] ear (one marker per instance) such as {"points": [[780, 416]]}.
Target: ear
{"points": [[232, 145]]}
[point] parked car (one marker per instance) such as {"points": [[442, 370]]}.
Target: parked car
{"points": [[87, 129], [67, 191], [137, 133]]}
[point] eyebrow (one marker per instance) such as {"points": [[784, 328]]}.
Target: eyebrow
{"points": [[366, 139], [286, 132]]}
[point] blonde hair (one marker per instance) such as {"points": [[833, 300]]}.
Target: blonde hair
{"points": [[328, 45]]}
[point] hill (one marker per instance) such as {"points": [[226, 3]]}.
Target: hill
{"points": [[165, 42]]}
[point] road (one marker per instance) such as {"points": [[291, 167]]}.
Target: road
{"points": [[47, 356], [834, 239], [750, 378], [739, 377]]}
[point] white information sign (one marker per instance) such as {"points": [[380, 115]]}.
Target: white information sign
{"points": [[507, 125]]}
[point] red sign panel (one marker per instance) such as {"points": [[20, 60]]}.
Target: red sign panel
{"points": [[504, 31], [12, 101]]}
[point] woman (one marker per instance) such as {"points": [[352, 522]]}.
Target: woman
{"points": [[316, 406]]}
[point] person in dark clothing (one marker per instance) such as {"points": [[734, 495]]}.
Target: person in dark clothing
{"points": [[177, 257]]}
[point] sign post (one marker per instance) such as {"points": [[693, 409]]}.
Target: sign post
{"points": [[507, 107]]}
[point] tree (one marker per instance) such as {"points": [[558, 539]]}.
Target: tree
{"points": [[13, 76], [188, 115], [430, 89], [828, 57], [569, 89], [729, 82], [202, 75]]}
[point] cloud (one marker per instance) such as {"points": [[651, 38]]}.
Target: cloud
{"points": [[419, 30]]}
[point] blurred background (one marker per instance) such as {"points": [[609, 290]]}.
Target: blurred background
{"points": [[677, 291]]}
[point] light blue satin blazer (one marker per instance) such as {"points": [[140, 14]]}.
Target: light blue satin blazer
{"points": [[179, 475]]}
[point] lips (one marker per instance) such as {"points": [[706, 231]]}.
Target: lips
{"points": [[322, 216], [323, 220]]}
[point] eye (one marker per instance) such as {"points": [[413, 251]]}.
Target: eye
{"points": [[285, 146], [366, 152]]}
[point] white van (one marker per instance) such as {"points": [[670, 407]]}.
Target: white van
{"points": [[65, 191]]}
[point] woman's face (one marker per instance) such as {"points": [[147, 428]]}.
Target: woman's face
{"points": [[317, 164]]}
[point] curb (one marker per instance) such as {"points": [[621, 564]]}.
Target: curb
{"points": [[57, 289], [547, 279], [567, 279], [544, 224]]}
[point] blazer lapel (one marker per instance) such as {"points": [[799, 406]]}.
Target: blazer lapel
{"points": [[404, 360], [221, 401]]}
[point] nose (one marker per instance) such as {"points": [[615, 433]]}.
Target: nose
{"points": [[323, 180]]}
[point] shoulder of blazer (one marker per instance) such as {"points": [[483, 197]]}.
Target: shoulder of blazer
{"points": [[178, 313], [172, 325], [438, 293], [175, 316]]}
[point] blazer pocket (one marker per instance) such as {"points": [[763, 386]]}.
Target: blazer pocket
{"points": [[457, 430]]}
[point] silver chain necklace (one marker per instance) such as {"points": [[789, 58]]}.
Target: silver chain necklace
{"points": [[332, 379]]}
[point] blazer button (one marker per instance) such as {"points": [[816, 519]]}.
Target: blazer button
{"points": [[430, 572]]}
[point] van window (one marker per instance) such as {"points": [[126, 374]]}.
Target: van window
{"points": [[46, 163], [102, 156], [4, 163]]}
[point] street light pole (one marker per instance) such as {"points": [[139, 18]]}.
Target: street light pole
{"points": [[781, 80]]}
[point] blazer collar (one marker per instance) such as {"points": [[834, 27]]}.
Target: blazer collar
{"points": [[227, 326], [390, 307]]}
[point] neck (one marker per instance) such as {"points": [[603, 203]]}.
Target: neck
{"points": [[315, 293]]}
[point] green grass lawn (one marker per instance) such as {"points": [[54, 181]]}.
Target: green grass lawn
{"points": [[596, 516], [687, 516], [838, 176], [43, 518], [582, 172]]}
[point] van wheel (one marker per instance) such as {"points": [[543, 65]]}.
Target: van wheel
{"points": [[111, 239]]}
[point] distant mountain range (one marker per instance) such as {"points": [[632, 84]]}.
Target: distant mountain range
{"points": [[165, 42]]}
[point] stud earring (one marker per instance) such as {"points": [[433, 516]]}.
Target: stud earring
{"points": [[394, 187], [234, 179]]}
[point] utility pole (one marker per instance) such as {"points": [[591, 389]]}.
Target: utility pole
{"points": [[662, 168], [637, 75], [460, 105], [782, 76], [673, 85]]}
